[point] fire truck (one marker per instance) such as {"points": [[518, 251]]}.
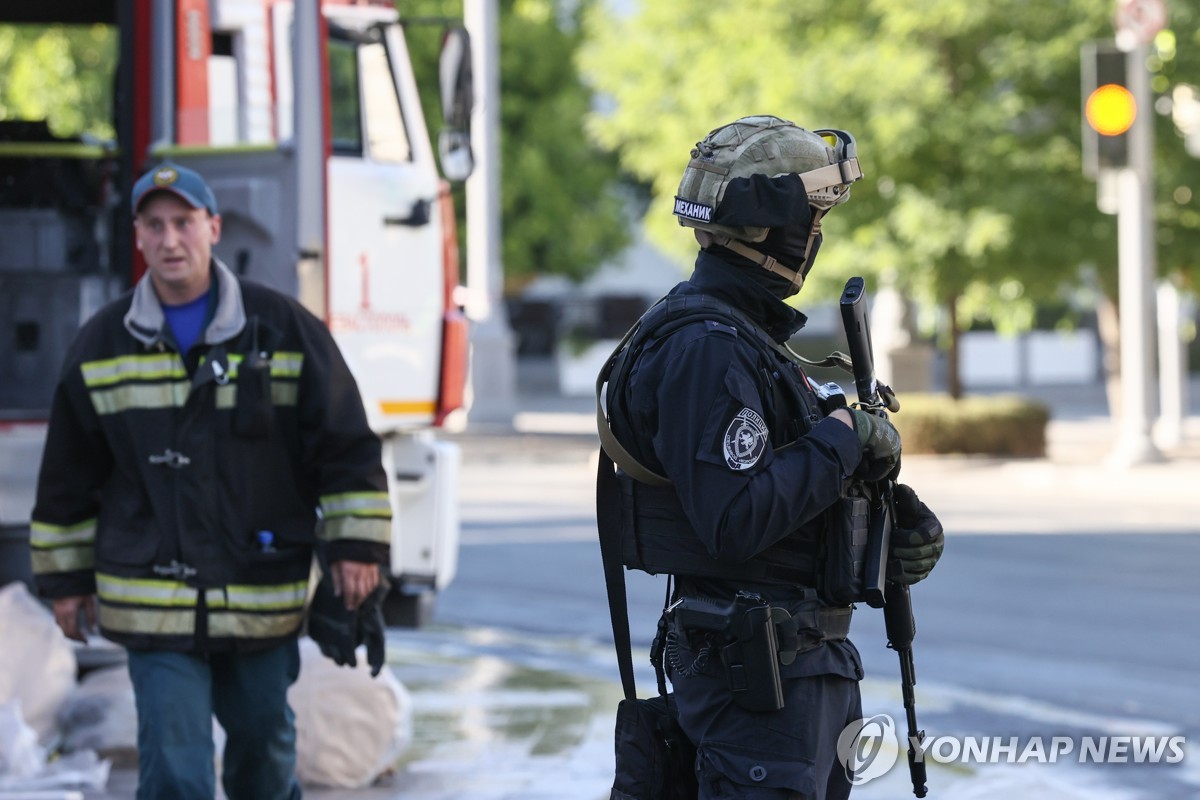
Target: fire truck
{"points": [[306, 121]]}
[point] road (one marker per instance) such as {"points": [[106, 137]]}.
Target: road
{"points": [[1064, 606]]}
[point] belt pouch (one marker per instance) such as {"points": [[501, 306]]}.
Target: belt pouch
{"points": [[655, 760], [846, 549]]}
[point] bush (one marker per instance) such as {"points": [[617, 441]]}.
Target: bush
{"points": [[1001, 425]]}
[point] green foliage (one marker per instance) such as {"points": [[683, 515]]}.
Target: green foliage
{"points": [[60, 74], [967, 116], [562, 208], [1002, 425]]}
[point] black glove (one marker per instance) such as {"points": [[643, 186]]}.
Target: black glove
{"points": [[339, 631], [331, 625], [917, 540], [880, 446], [370, 627]]}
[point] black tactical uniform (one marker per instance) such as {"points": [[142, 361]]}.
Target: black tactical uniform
{"points": [[756, 471]]}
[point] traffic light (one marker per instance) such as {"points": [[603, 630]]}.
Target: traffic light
{"points": [[1109, 108]]}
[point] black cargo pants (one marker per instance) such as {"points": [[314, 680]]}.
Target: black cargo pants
{"points": [[790, 754]]}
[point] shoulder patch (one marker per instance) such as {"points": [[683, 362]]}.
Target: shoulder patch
{"points": [[745, 440], [713, 325]]}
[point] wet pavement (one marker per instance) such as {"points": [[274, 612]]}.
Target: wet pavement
{"points": [[508, 711]]}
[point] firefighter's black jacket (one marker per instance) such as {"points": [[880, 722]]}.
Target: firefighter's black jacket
{"points": [[184, 490]]}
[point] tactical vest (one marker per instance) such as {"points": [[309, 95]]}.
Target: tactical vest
{"points": [[656, 536]]}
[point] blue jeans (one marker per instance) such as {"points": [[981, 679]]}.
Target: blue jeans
{"points": [[177, 695]]}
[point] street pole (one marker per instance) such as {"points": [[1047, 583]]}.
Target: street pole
{"points": [[1172, 367], [1137, 266], [493, 367], [308, 140]]}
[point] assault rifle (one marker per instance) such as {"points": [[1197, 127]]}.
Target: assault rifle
{"points": [[893, 597]]}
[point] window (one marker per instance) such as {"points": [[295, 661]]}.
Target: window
{"points": [[386, 136], [344, 105], [366, 116]]}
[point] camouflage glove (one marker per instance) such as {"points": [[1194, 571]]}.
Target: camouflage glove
{"points": [[917, 539], [880, 446]]}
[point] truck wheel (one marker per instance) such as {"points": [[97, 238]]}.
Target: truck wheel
{"points": [[402, 610]]}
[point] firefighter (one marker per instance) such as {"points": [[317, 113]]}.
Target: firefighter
{"points": [[736, 472], [199, 423]]}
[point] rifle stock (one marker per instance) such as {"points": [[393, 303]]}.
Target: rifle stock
{"points": [[894, 598]]}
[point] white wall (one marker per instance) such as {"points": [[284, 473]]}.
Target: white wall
{"points": [[1038, 358]]}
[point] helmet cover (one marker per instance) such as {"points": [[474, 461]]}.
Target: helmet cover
{"points": [[748, 176]]}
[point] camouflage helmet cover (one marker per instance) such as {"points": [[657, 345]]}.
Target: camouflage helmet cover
{"points": [[763, 146]]}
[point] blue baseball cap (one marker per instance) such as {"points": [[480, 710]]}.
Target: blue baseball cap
{"points": [[184, 183]]}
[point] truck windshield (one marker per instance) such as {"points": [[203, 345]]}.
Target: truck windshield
{"points": [[60, 78]]}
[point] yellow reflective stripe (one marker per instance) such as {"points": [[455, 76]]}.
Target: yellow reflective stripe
{"points": [[358, 504], [393, 407], [62, 559], [285, 394], [133, 395], [366, 528], [283, 364], [132, 368], [244, 625], [282, 394], [286, 364], [43, 534], [145, 591], [152, 621], [281, 597]]}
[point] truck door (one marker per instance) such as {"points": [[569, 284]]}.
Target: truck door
{"points": [[384, 229]]}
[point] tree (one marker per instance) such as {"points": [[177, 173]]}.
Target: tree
{"points": [[562, 208], [967, 116]]}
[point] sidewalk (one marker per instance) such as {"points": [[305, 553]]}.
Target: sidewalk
{"points": [[1076, 488]]}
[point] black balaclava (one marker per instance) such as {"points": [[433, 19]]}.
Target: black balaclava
{"points": [[787, 243], [780, 204], [779, 286]]}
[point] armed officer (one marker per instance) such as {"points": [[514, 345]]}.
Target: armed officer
{"points": [[734, 472]]}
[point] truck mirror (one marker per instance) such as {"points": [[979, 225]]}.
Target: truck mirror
{"points": [[458, 98]]}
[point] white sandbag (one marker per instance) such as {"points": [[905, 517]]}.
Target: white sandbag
{"points": [[25, 773], [37, 663], [20, 754], [350, 727], [101, 715]]}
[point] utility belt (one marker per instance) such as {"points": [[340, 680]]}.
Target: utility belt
{"points": [[753, 639]]}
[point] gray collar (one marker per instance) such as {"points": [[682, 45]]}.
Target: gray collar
{"points": [[146, 323]]}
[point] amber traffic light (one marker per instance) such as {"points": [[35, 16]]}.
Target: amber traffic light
{"points": [[1109, 108]]}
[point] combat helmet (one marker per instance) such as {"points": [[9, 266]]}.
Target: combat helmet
{"points": [[761, 172]]}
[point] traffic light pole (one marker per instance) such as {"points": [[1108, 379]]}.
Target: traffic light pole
{"points": [[1137, 266]]}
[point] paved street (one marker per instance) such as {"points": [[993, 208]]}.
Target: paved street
{"points": [[1064, 606]]}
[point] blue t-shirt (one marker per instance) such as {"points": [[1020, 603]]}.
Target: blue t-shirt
{"points": [[187, 321]]}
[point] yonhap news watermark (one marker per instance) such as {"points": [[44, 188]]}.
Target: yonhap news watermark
{"points": [[864, 750]]}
